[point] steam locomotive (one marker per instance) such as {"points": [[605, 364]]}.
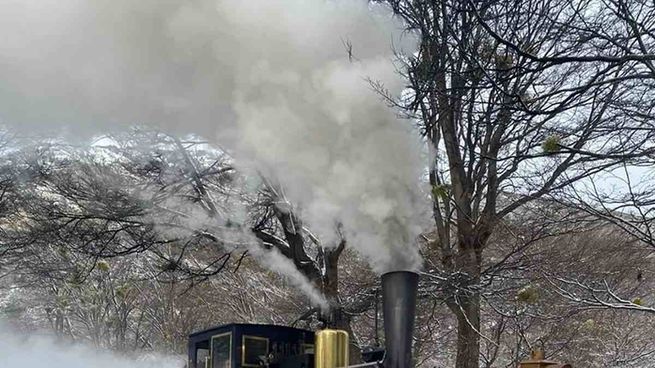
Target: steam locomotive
{"points": [[251, 345]]}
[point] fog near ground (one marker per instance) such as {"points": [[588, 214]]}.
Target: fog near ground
{"points": [[19, 350]]}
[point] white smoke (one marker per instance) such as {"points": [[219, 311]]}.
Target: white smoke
{"points": [[37, 351], [275, 260], [268, 79]]}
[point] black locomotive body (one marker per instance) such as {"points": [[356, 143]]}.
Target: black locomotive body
{"points": [[251, 345]]}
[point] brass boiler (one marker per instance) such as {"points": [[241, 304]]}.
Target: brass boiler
{"points": [[331, 349]]}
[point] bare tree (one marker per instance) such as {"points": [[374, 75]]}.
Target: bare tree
{"points": [[179, 200], [518, 100]]}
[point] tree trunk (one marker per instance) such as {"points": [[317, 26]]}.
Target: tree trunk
{"points": [[468, 328], [465, 300], [341, 321], [337, 318]]}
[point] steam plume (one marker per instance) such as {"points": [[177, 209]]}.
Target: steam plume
{"points": [[268, 79]]}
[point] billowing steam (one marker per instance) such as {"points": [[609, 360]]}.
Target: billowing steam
{"points": [[17, 350], [270, 80]]}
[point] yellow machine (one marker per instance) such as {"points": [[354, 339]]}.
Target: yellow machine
{"points": [[331, 349], [537, 360]]}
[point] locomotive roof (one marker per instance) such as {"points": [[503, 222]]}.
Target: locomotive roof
{"points": [[247, 326]]}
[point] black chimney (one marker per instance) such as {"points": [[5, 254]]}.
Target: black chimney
{"points": [[399, 306]]}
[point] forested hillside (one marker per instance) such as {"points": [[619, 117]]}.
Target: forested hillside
{"points": [[105, 245]]}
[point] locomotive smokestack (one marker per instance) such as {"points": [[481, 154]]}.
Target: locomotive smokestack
{"points": [[399, 306]]}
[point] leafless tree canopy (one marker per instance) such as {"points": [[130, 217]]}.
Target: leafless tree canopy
{"points": [[520, 101]]}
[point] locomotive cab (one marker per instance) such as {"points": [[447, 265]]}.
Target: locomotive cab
{"points": [[251, 345]]}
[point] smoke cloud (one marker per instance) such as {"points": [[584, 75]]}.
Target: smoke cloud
{"points": [[17, 350], [269, 80]]}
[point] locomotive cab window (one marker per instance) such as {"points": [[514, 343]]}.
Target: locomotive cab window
{"points": [[202, 358], [221, 351], [253, 349]]}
